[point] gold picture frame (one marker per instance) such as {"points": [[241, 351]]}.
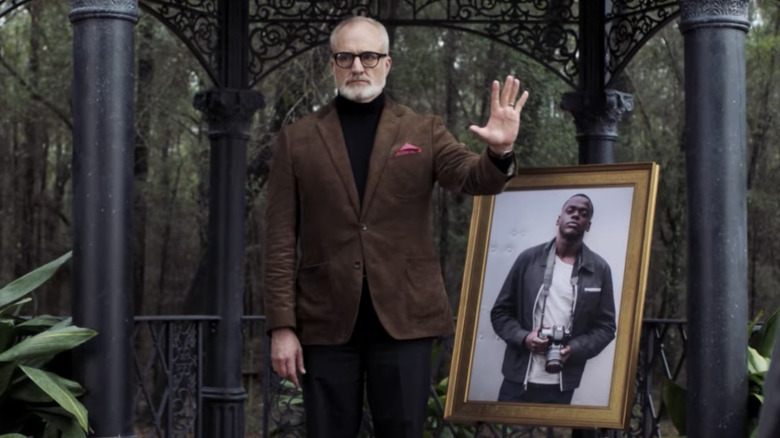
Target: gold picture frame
{"points": [[502, 226]]}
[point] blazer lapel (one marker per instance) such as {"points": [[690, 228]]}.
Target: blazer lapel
{"points": [[330, 130], [386, 134]]}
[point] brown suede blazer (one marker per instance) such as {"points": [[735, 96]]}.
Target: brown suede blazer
{"points": [[319, 240]]}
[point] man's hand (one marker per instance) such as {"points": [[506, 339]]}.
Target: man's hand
{"points": [[565, 353], [536, 344], [504, 122], [286, 354]]}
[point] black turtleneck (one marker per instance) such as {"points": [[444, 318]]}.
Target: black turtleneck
{"points": [[358, 124]]}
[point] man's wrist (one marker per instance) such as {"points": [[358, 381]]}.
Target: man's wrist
{"points": [[503, 155]]}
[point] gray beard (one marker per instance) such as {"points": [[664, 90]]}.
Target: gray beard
{"points": [[361, 93]]}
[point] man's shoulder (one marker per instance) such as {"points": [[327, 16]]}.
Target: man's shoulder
{"points": [[592, 258], [538, 251]]}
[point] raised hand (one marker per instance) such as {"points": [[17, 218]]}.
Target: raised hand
{"points": [[503, 125]]}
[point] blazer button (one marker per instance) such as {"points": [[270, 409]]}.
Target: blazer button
{"points": [[363, 227], [357, 265]]}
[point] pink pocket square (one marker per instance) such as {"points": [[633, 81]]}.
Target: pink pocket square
{"points": [[407, 149]]}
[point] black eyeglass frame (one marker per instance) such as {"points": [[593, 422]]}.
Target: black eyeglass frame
{"points": [[360, 55]]}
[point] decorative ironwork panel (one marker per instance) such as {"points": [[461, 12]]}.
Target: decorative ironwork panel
{"points": [[195, 23], [629, 24], [661, 357], [168, 363]]}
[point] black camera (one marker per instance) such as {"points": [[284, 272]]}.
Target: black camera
{"points": [[558, 336]]}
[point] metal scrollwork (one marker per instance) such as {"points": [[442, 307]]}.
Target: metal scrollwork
{"points": [[546, 30], [195, 23], [307, 11], [184, 381], [276, 43], [629, 24]]}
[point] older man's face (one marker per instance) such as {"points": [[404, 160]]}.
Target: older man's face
{"points": [[358, 83]]}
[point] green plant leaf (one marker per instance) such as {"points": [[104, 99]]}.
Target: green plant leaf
{"points": [[65, 424], [757, 363], [48, 382], [13, 435], [6, 333], [15, 308], [6, 371], [48, 343], [29, 391], [674, 397], [769, 333], [30, 281], [40, 323], [763, 338]]}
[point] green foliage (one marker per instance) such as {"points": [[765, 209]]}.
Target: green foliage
{"points": [[34, 400], [760, 343], [435, 416]]}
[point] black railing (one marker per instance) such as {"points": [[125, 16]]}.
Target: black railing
{"points": [[169, 353]]}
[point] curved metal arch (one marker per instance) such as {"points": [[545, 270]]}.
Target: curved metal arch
{"points": [[630, 24], [196, 25], [325, 40], [8, 6], [545, 30], [567, 61]]}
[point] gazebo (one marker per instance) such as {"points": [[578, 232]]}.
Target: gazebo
{"points": [[238, 42]]}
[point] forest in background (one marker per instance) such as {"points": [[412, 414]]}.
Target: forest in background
{"points": [[434, 71]]}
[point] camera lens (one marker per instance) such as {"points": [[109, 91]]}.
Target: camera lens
{"points": [[554, 363]]}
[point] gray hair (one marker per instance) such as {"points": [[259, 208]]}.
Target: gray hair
{"points": [[361, 19]]}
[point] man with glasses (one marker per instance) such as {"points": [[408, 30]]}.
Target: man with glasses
{"points": [[353, 289]]}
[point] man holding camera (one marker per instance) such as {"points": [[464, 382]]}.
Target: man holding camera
{"points": [[555, 311]]}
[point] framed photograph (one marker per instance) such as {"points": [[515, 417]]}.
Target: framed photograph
{"points": [[552, 300]]}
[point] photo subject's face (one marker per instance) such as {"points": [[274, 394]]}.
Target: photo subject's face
{"points": [[358, 83], [574, 220]]}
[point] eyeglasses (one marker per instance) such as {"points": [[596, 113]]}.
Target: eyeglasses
{"points": [[368, 59]]}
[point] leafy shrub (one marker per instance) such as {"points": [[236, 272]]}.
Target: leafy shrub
{"points": [[760, 343], [34, 400]]}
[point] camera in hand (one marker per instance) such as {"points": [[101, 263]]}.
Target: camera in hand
{"points": [[558, 336]]}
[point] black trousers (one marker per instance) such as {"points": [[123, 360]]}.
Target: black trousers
{"points": [[393, 374]]}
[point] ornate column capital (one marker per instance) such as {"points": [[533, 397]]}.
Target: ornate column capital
{"points": [[118, 9], [597, 114], [709, 13], [229, 111]]}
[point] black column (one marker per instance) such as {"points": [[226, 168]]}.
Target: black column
{"points": [[228, 108], [597, 115], [229, 113], [597, 111], [715, 143], [102, 172]]}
